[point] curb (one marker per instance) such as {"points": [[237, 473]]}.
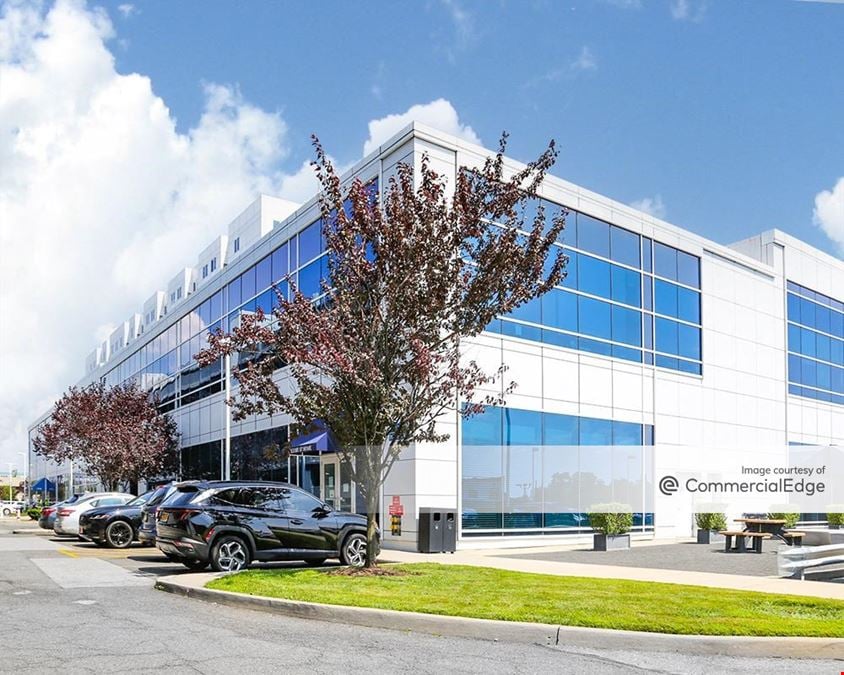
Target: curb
{"points": [[193, 586]]}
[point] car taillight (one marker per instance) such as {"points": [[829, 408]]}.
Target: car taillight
{"points": [[47, 512], [64, 512], [185, 514]]}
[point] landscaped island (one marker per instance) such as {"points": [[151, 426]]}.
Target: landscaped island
{"points": [[486, 593]]}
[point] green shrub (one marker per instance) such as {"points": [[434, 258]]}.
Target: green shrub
{"points": [[835, 515], [611, 519], [711, 521], [789, 518], [34, 512]]}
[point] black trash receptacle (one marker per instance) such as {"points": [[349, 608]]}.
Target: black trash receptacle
{"points": [[430, 530], [449, 531]]}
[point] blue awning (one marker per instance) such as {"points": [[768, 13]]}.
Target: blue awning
{"points": [[316, 442], [43, 485]]}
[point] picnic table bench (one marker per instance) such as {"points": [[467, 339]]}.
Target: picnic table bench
{"points": [[774, 527], [741, 544], [796, 561]]}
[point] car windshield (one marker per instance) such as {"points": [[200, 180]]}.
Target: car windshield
{"points": [[141, 499]]}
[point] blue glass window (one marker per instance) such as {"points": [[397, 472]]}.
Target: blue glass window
{"points": [[594, 346], [807, 312], [570, 280], [626, 326], [794, 368], [594, 317], [626, 353], [836, 351], [594, 276], [647, 254], [626, 433], [836, 324], [822, 350], [822, 318], [247, 284], [595, 431], [520, 330], [807, 342], [666, 298], [626, 286], [648, 331], [309, 279], [522, 427], [793, 308], [559, 429], [309, 242], [689, 341], [648, 292], [665, 261], [593, 235], [793, 338], [809, 372], [666, 336], [688, 269], [530, 311], [216, 305], [234, 295], [822, 376], [559, 310], [263, 274], [551, 337], [688, 305], [484, 428], [667, 362], [624, 246], [280, 267]]}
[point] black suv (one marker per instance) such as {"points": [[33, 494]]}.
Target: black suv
{"points": [[228, 524]]}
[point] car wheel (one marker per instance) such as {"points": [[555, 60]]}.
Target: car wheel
{"points": [[229, 554], [353, 552], [119, 534], [194, 565], [315, 562], [7, 512]]}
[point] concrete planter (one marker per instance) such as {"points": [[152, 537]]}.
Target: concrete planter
{"points": [[709, 537], [610, 542]]}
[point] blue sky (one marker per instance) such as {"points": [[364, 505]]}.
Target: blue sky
{"points": [[131, 133], [730, 112]]}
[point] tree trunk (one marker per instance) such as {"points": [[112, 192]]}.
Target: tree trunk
{"points": [[371, 525], [133, 486]]}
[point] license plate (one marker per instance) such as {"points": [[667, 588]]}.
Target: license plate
{"points": [[164, 517]]}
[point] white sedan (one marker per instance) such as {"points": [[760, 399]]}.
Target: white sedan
{"points": [[67, 518]]}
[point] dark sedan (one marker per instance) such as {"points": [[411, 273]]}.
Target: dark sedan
{"points": [[149, 514], [113, 526], [228, 524]]}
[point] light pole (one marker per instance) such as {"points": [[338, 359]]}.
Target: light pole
{"points": [[225, 343], [25, 456]]}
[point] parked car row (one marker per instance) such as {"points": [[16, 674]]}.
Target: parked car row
{"points": [[226, 525]]}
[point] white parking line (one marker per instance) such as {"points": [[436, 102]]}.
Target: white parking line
{"points": [[88, 573]]}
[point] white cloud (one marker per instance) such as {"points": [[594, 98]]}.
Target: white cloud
{"points": [[102, 200], [687, 10], [126, 10], [585, 60], [439, 114], [829, 213], [651, 205], [463, 21]]}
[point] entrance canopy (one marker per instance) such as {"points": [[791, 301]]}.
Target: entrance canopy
{"points": [[316, 442], [43, 485]]}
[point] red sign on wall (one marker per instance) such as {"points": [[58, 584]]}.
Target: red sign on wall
{"points": [[396, 508]]}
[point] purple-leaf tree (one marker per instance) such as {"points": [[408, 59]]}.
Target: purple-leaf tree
{"points": [[116, 432], [377, 358]]}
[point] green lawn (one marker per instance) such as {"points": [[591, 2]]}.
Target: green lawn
{"points": [[487, 593]]}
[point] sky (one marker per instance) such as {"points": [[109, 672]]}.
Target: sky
{"points": [[131, 133]]}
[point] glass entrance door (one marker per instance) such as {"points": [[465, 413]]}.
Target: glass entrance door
{"points": [[337, 488]]}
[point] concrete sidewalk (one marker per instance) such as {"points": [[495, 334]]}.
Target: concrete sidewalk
{"points": [[497, 558]]}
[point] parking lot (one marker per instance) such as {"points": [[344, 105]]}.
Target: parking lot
{"points": [[73, 607]]}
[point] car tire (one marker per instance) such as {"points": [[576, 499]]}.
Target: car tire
{"points": [[119, 534], [7, 512], [315, 562], [230, 553], [194, 565], [353, 552]]}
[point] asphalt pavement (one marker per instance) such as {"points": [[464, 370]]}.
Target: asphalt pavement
{"points": [[75, 608]]}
